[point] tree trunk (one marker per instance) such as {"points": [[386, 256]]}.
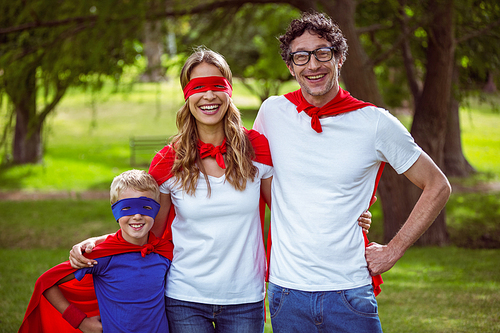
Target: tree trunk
{"points": [[27, 144], [431, 113], [490, 86], [455, 163], [153, 50]]}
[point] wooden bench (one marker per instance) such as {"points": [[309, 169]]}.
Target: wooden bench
{"points": [[143, 149]]}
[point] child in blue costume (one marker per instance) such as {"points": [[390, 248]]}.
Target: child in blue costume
{"points": [[129, 285]]}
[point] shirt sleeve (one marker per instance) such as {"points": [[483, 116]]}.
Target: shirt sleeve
{"points": [[95, 270], [395, 144], [165, 187], [265, 171]]}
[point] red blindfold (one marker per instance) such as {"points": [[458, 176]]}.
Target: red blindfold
{"points": [[206, 83]]}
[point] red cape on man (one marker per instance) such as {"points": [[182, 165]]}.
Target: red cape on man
{"points": [[41, 316], [343, 102]]}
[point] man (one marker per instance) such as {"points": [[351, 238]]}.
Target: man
{"points": [[327, 148]]}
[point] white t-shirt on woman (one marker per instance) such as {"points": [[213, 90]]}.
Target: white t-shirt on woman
{"points": [[219, 255]]}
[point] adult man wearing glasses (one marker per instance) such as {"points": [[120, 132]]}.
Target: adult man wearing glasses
{"points": [[327, 148]]}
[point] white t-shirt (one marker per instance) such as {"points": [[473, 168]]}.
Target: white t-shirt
{"points": [[219, 255], [322, 183]]}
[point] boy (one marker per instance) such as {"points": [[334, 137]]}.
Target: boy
{"points": [[129, 279]]}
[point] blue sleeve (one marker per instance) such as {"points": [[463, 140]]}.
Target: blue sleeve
{"points": [[96, 270]]}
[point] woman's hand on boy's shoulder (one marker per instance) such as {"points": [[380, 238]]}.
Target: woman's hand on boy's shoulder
{"points": [[76, 257], [91, 325]]}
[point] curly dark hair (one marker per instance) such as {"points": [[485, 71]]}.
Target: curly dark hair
{"points": [[317, 23]]}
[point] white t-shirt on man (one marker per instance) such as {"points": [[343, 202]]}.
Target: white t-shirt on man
{"points": [[322, 183]]}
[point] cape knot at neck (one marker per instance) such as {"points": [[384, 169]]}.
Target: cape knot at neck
{"points": [[208, 149]]}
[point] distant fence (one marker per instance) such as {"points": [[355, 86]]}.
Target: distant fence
{"points": [[143, 149]]}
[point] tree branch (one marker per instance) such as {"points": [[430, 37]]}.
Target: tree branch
{"points": [[476, 33], [149, 16], [371, 28]]}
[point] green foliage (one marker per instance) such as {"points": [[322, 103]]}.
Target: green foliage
{"points": [[43, 62], [477, 30]]}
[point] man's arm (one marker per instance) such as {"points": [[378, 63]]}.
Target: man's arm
{"points": [[436, 190]]}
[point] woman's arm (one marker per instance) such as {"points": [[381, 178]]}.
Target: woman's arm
{"points": [[161, 219], [76, 257], [265, 190]]}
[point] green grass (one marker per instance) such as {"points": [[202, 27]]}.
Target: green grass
{"points": [[429, 290], [481, 140], [442, 290]]}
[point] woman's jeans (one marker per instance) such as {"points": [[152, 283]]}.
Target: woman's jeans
{"points": [[352, 310], [190, 317]]}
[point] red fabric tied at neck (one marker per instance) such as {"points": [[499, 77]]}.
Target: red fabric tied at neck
{"points": [[342, 103], [206, 83], [208, 149]]}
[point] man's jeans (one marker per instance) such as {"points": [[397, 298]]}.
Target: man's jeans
{"points": [[190, 317], [353, 310]]}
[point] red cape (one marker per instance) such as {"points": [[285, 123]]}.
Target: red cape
{"points": [[41, 316], [342, 103]]}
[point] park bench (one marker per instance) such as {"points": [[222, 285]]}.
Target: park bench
{"points": [[143, 149]]}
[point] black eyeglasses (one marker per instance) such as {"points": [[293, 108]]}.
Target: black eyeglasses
{"points": [[323, 54]]}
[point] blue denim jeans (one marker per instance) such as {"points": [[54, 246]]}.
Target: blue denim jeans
{"points": [[353, 310], [190, 317]]}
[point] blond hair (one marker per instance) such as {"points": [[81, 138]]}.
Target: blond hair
{"points": [[138, 180], [239, 154]]}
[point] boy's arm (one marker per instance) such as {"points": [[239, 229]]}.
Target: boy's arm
{"points": [[74, 316], [76, 257]]}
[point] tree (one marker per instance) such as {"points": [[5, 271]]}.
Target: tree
{"points": [[476, 58], [39, 65]]}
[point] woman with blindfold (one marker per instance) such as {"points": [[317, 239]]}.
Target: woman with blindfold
{"points": [[214, 178]]}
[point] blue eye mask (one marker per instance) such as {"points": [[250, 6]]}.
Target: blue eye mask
{"points": [[131, 206]]}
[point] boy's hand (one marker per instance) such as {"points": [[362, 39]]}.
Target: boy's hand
{"points": [[365, 220], [91, 325], [76, 257]]}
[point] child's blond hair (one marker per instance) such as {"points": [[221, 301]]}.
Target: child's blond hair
{"points": [[138, 180]]}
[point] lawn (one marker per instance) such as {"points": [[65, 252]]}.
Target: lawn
{"points": [[450, 289]]}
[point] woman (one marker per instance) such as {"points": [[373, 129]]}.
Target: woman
{"points": [[212, 176]]}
